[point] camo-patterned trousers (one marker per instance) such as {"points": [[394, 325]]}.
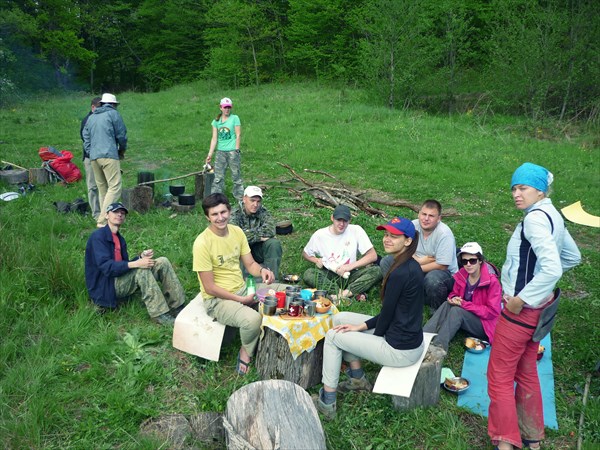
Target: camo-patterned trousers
{"points": [[233, 160], [360, 280], [158, 301]]}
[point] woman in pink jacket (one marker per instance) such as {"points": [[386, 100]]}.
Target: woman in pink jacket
{"points": [[474, 303]]}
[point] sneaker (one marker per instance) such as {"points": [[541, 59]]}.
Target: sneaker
{"points": [[164, 319], [355, 384], [329, 411]]}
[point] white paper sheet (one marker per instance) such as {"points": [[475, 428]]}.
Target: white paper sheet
{"points": [[400, 380], [196, 332]]}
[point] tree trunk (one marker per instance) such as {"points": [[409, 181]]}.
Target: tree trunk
{"points": [[272, 414], [138, 198], [274, 361], [426, 390]]}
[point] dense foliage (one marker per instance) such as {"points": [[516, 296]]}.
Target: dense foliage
{"points": [[539, 58]]}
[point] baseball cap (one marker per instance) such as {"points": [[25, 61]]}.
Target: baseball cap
{"points": [[399, 225], [115, 207], [253, 191], [226, 101], [342, 212], [472, 248], [109, 98]]}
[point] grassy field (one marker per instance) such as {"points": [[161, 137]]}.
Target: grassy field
{"points": [[72, 379]]}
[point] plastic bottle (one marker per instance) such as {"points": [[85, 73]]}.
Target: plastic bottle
{"points": [[250, 285]]}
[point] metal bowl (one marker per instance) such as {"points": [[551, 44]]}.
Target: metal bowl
{"points": [[187, 199], [456, 385], [475, 345]]}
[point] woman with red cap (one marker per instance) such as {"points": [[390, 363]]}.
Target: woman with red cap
{"points": [[393, 338]]}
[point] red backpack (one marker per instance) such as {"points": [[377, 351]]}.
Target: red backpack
{"points": [[59, 164]]}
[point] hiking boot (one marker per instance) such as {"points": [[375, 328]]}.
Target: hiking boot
{"points": [[329, 411], [175, 311], [164, 319], [355, 384]]}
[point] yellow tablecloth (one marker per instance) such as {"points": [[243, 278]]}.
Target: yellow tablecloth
{"points": [[303, 334]]}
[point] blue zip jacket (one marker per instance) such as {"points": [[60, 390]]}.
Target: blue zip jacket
{"points": [[101, 269], [104, 134]]}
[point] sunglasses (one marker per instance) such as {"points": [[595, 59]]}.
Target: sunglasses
{"points": [[471, 261]]}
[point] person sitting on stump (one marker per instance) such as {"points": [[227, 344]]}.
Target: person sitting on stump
{"points": [[392, 338], [217, 254], [110, 276], [259, 227], [333, 250]]}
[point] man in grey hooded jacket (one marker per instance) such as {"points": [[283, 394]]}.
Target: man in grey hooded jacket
{"points": [[105, 140]]}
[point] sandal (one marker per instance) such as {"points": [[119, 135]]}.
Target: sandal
{"points": [[362, 297], [240, 363]]}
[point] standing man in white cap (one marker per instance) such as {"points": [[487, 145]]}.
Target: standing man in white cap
{"points": [[226, 136], [105, 140], [259, 228]]}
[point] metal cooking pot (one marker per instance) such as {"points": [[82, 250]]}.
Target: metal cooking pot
{"points": [[187, 199], [176, 189]]}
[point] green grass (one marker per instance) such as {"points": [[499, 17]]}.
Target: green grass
{"points": [[72, 379]]}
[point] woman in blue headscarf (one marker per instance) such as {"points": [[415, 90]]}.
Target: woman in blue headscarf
{"points": [[538, 253]]}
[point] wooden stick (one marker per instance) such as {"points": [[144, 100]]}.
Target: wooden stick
{"points": [[13, 164], [585, 396], [171, 179]]}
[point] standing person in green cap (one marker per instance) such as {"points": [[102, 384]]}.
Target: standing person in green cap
{"points": [[226, 136]]}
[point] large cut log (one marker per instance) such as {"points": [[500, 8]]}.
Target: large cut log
{"points": [[204, 183], [426, 390], [38, 176], [138, 198], [274, 361], [272, 414]]}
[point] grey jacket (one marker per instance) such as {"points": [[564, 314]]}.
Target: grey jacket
{"points": [[104, 134]]}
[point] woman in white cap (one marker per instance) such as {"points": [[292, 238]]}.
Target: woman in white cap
{"points": [[538, 253], [226, 135], [474, 303]]}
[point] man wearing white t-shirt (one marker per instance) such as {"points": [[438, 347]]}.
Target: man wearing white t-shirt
{"points": [[333, 250], [436, 253]]}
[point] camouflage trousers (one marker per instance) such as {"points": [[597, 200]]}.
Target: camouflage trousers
{"points": [[233, 160], [360, 280], [158, 301]]}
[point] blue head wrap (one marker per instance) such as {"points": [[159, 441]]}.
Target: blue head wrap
{"points": [[532, 175]]}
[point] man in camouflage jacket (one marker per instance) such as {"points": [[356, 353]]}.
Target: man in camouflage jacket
{"points": [[259, 227]]}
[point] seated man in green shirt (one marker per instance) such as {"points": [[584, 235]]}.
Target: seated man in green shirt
{"points": [[259, 228]]}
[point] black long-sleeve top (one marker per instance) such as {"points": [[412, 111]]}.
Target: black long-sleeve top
{"points": [[401, 317]]}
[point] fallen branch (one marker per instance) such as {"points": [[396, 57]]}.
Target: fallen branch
{"points": [[329, 196]]}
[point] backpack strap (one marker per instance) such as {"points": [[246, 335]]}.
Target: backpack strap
{"points": [[527, 257]]}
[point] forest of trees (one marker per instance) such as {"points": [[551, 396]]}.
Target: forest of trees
{"points": [[539, 58]]}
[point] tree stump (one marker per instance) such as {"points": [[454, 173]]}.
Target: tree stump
{"points": [[39, 176], [274, 361], [272, 414], [14, 176], [426, 390], [204, 183], [138, 198]]}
